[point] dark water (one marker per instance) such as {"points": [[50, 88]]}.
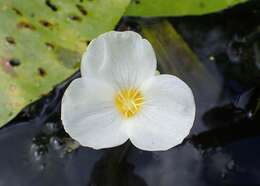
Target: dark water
{"points": [[222, 149]]}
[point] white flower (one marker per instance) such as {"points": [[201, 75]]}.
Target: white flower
{"points": [[120, 98]]}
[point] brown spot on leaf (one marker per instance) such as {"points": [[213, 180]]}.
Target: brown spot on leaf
{"points": [[75, 18], [10, 40], [25, 24], [18, 12], [42, 72], [46, 23], [52, 6], [82, 9]]}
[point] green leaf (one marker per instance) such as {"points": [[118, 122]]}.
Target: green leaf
{"points": [[178, 7], [41, 42]]}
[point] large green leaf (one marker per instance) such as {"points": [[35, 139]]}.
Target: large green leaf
{"points": [[177, 7], [41, 42]]}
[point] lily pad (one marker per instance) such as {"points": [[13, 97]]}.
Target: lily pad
{"points": [[41, 43], [178, 8]]}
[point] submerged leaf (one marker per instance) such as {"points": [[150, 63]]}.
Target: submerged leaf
{"points": [[175, 57], [178, 8], [41, 42]]}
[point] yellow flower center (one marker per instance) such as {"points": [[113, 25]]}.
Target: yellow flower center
{"points": [[129, 102]]}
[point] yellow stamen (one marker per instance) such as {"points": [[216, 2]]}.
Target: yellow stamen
{"points": [[129, 102]]}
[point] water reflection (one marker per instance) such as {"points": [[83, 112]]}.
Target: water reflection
{"points": [[182, 165], [113, 169]]}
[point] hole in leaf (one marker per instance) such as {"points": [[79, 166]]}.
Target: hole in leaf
{"points": [[42, 72], [24, 24], [46, 23], [82, 9], [51, 5], [14, 62], [10, 40], [75, 18], [18, 12]]}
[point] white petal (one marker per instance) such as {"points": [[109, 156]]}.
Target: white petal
{"points": [[89, 116], [121, 57], [166, 116]]}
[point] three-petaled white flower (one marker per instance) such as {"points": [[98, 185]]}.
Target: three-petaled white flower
{"points": [[119, 97]]}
